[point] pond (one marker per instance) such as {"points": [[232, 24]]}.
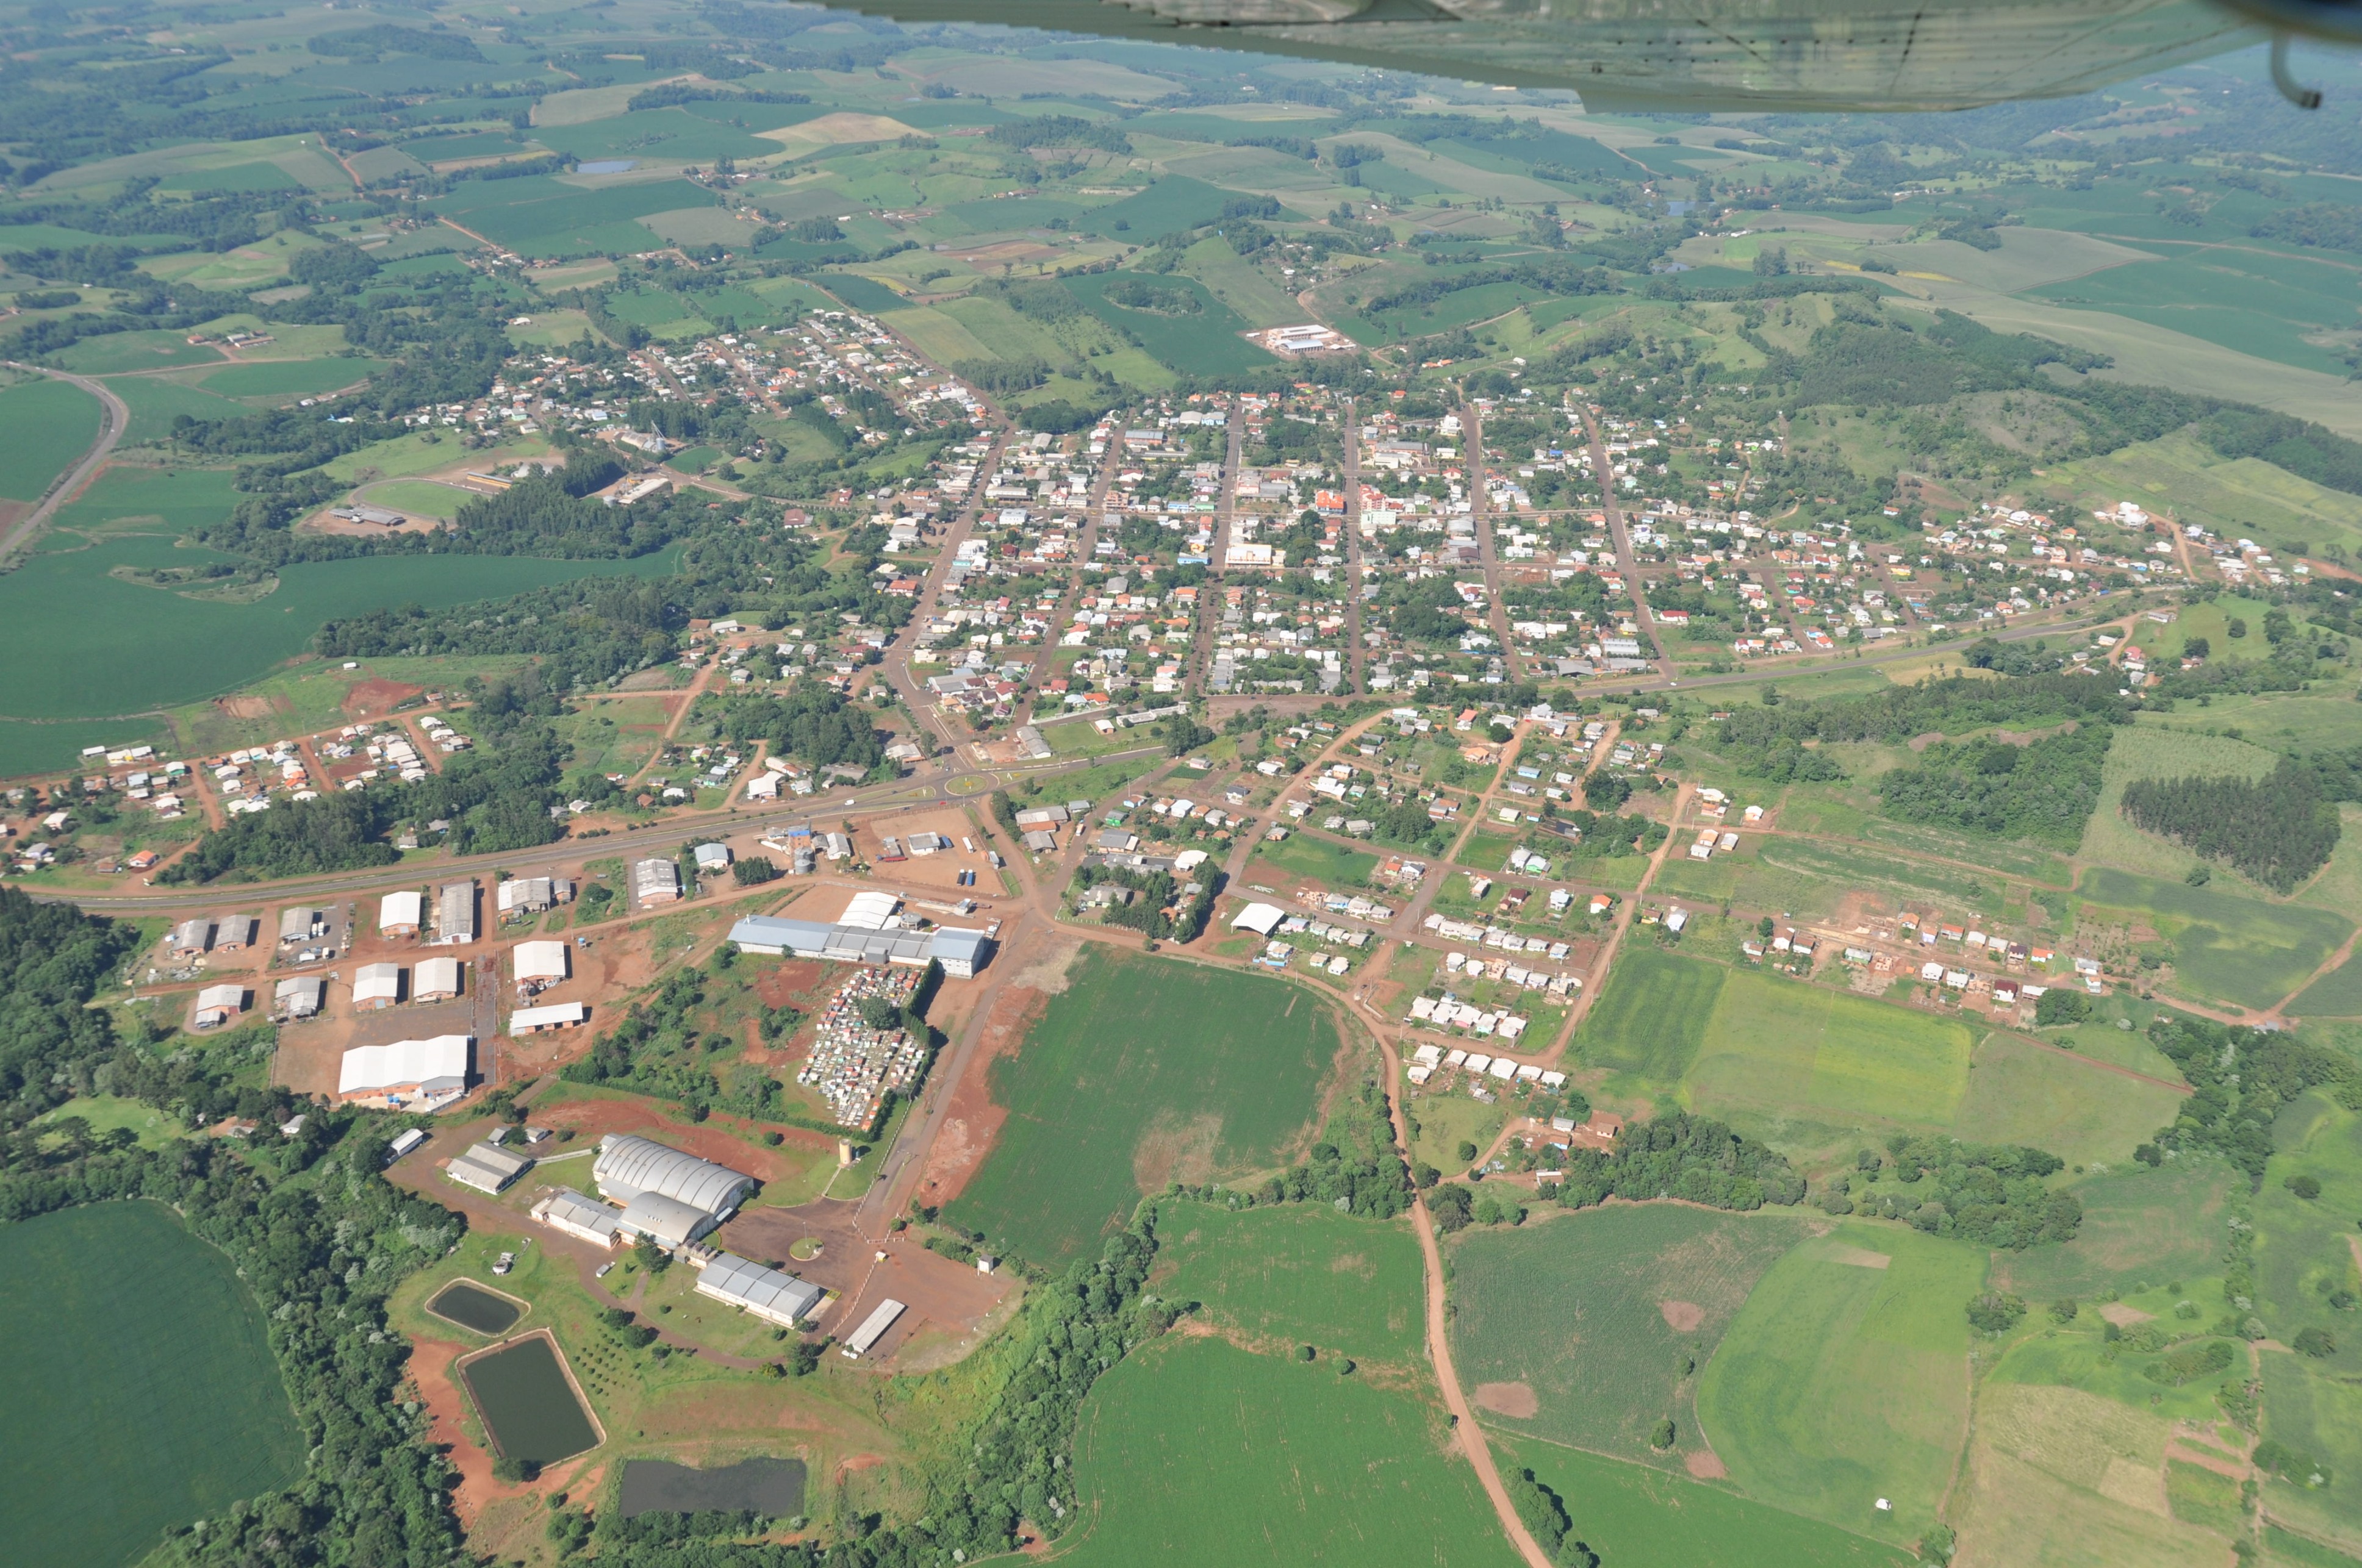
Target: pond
{"points": [[473, 1307], [772, 1487], [528, 1402]]}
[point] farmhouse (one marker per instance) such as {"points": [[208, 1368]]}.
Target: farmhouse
{"points": [[584, 1219], [456, 914], [768, 1294], [540, 1020], [963, 953], [401, 914], [487, 1167], [216, 1005], [377, 985], [539, 966], [301, 997], [654, 882], [429, 1071], [435, 980]]}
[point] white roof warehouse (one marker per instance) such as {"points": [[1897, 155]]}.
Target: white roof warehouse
{"points": [[963, 953]]}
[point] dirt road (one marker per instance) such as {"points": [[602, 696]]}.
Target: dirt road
{"points": [[114, 420]]}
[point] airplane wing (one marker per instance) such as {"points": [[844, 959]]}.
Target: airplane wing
{"points": [[1698, 55]]}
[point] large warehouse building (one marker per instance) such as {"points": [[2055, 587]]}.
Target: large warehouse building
{"points": [[768, 1294], [408, 1073], [963, 953], [668, 1196]]}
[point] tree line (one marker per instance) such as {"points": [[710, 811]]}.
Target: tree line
{"points": [[2278, 830]]}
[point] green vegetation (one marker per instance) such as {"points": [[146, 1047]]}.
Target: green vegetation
{"points": [[1605, 1315], [51, 425], [1193, 1451], [1774, 1047], [1298, 1274], [2240, 949], [131, 1410], [2141, 1226], [1800, 1401], [1140, 1072], [1652, 1018], [2278, 830], [2043, 790], [1320, 860], [2241, 1078]]}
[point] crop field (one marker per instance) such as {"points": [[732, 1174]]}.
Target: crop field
{"points": [[1331, 864], [2023, 1093], [1652, 1018], [155, 402], [2241, 950], [140, 1387], [1843, 1379], [1778, 1046], [1594, 1313], [289, 378], [421, 497], [64, 616], [1632, 1514], [1298, 1274], [136, 351], [50, 423], [2312, 1412], [535, 216], [1918, 881], [1195, 1453], [1140, 1072], [2337, 994], [1203, 342]]}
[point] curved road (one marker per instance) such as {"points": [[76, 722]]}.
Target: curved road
{"points": [[114, 419]]}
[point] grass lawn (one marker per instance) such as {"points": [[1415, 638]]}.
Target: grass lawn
{"points": [[2140, 1228], [1581, 1308], [51, 425], [1193, 1451], [1779, 1047], [1317, 860], [1631, 1514], [1143, 1070], [104, 1113], [1652, 1018], [1843, 1379], [139, 1388], [2236, 949], [1297, 1274], [423, 498]]}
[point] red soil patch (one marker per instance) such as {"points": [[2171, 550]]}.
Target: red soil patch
{"points": [[782, 986], [2122, 1316], [1705, 1464], [1682, 1317], [251, 707], [1507, 1399], [972, 1122], [375, 699]]}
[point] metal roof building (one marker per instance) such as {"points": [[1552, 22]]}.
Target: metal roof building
{"points": [[667, 1221], [556, 1015], [400, 913], [301, 921], [377, 985], [407, 1067], [528, 895], [301, 996], [768, 1294], [585, 1219], [654, 882], [435, 980], [539, 964], [487, 1167], [219, 1004], [961, 952], [193, 936], [864, 1338], [628, 1165], [456, 914], [233, 931]]}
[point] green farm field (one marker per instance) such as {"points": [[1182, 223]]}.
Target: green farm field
{"points": [[140, 1387], [1592, 1313], [1204, 342], [2237, 949], [2021, 1092], [51, 425], [1297, 1274], [1632, 1514], [2140, 1228], [1844, 1379], [289, 378], [1195, 1453], [1651, 1020], [155, 402], [1142, 1071], [64, 616], [1783, 1049]]}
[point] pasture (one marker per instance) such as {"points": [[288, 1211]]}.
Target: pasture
{"points": [[2302, 1255], [1594, 1313], [64, 618], [1318, 860], [155, 402], [51, 425], [2019, 1092], [289, 378], [1142, 1071], [2236, 949], [1632, 1514], [1778, 1047], [2141, 1228], [1295, 1274], [1192, 1451], [2313, 1411], [140, 1391], [1843, 1379], [2060, 1476], [1651, 1020]]}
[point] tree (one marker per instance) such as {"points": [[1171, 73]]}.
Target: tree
{"points": [[1305, 1352], [1466, 1152], [651, 1255], [2062, 1005], [2197, 647], [1994, 1312], [1663, 1437], [2314, 1343], [880, 1013], [2305, 1187], [2065, 1309], [753, 869], [1450, 1205]]}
